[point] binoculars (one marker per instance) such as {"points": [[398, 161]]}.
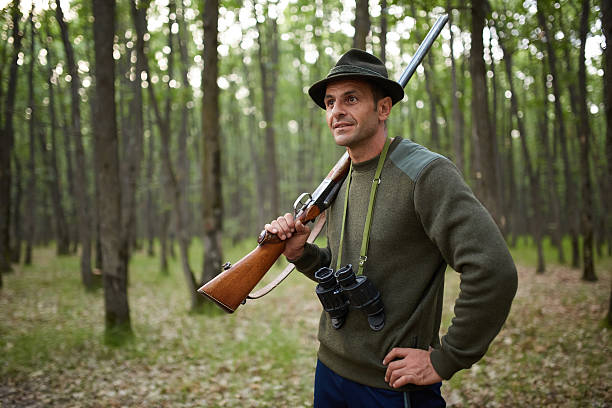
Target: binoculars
{"points": [[337, 291]]}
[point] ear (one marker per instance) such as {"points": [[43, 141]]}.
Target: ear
{"points": [[384, 108]]}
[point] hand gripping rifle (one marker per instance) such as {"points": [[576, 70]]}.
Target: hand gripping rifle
{"points": [[233, 286]]}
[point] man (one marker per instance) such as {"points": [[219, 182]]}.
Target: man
{"points": [[423, 218]]}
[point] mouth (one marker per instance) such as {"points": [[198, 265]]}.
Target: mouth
{"points": [[342, 125]]}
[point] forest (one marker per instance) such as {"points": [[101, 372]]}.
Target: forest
{"points": [[144, 143]]}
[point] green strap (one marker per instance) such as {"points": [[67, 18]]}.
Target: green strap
{"points": [[368, 223]]}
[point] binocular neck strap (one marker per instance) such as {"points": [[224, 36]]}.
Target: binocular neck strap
{"points": [[363, 254]]}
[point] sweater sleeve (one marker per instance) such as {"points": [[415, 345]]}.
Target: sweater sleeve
{"points": [[471, 243], [312, 260]]}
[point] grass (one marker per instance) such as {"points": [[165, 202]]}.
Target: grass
{"points": [[553, 351]]}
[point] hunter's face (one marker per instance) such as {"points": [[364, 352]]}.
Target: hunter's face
{"points": [[351, 115]]}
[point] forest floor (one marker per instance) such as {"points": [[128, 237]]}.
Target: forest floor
{"points": [[554, 350]]}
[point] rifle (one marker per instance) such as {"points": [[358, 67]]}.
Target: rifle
{"points": [[232, 287]]}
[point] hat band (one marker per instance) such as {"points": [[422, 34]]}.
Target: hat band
{"points": [[353, 69]]}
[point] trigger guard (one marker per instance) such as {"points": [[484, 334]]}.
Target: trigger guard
{"points": [[300, 202]]}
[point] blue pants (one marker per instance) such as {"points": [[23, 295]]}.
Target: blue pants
{"points": [[334, 391]]}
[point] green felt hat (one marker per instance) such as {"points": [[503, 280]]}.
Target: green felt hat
{"points": [[360, 65]]}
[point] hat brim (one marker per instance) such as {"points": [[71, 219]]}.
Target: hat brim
{"points": [[390, 87]]}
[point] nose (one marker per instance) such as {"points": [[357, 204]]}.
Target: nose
{"points": [[337, 110]]}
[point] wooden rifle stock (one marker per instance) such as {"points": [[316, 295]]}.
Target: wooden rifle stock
{"points": [[232, 286]]}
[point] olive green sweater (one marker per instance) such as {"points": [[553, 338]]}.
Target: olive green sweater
{"points": [[425, 218]]}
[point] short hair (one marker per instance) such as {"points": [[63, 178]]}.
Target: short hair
{"points": [[377, 93]]}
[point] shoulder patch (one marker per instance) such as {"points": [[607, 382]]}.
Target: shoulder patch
{"points": [[411, 158]]}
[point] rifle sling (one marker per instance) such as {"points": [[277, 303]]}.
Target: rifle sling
{"points": [[289, 268]]}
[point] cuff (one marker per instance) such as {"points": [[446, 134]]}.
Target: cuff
{"points": [[443, 364], [309, 259]]}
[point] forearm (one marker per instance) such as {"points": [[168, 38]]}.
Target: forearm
{"points": [[313, 258]]}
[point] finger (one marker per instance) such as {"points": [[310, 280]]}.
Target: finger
{"points": [[301, 228], [395, 353], [403, 380], [270, 228], [290, 221], [284, 231], [395, 369]]}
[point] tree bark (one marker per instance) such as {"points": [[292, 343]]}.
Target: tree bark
{"points": [[606, 11], [486, 174], [571, 196], [6, 147], [150, 207], [84, 213], [212, 210], [31, 185], [584, 136], [458, 144], [606, 20], [113, 237], [17, 223], [362, 24], [268, 64], [383, 30], [133, 152]]}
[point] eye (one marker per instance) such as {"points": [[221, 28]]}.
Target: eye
{"points": [[351, 99], [329, 103]]}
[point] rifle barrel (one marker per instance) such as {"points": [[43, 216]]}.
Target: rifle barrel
{"points": [[422, 50]]}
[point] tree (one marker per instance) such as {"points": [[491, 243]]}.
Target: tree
{"points": [[6, 146], [80, 175], [606, 12], [113, 236], [212, 205], [269, 68], [31, 185], [584, 137], [362, 24], [486, 170]]}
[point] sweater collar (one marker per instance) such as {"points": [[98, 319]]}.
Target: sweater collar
{"points": [[370, 165]]}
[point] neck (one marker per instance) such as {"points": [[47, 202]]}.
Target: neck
{"points": [[368, 148]]}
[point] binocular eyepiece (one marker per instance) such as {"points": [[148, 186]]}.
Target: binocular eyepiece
{"points": [[338, 290]]}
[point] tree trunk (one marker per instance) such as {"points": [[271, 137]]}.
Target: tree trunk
{"points": [[584, 136], [458, 147], [31, 184], [184, 133], [606, 11], [571, 198], [84, 213], [383, 30], [362, 24], [268, 64], [133, 152], [17, 223], [486, 174], [113, 238], [6, 147], [212, 210], [433, 113], [150, 208]]}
